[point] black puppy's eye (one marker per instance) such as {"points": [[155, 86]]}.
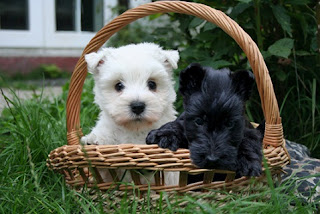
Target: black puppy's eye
{"points": [[199, 121], [152, 85], [230, 123], [119, 86]]}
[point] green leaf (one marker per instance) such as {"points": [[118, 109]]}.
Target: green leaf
{"points": [[314, 45], [303, 53], [238, 9], [216, 64], [245, 1], [184, 22], [281, 48], [195, 22], [248, 25], [161, 31], [283, 18], [155, 16], [304, 25], [265, 54], [194, 54], [281, 75], [205, 36], [297, 2], [209, 26]]}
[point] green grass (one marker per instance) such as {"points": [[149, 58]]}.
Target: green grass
{"points": [[30, 130]]}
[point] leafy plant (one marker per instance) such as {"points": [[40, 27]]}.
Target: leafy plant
{"points": [[50, 71]]}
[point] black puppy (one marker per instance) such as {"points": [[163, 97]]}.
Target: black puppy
{"points": [[213, 126]]}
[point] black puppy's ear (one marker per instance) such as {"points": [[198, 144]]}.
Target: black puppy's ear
{"points": [[243, 81], [190, 79]]}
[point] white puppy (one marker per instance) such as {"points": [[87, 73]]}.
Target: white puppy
{"points": [[134, 90]]}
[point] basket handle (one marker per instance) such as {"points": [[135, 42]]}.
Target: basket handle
{"points": [[273, 132]]}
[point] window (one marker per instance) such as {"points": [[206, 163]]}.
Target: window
{"points": [[14, 15], [65, 15], [79, 15], [123, 5], [50, 24]]}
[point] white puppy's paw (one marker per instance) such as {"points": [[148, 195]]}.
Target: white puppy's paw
{"points": [[91, 139]]}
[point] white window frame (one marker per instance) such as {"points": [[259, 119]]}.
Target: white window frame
{"points": [[64, 39], [42, 31], [32, 37]]}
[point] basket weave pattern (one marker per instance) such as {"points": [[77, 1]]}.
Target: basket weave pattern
{"points": [[73, 159]]}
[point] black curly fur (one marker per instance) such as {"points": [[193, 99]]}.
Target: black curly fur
{"points": [[213, 125]]}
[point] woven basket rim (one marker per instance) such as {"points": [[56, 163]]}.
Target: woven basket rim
{"points": [[74, 160], [159, 159]]}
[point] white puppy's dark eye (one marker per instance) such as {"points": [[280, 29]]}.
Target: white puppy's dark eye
{"points": [[199, 121], [119, 87], [152, 85]]}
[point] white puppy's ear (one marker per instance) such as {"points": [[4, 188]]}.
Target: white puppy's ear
{"points": [[95, 59], [172, 58]]}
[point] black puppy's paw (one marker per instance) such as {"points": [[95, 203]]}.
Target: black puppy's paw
{"points": [[152, 137], [250, 169], [165, 138], [250, 154]]}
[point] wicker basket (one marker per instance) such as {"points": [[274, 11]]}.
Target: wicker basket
{"points": [[80, 164]]}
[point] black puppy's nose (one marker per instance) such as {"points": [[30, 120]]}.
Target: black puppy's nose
{"points": [[137, 107], [212, 158], [211, 161]]}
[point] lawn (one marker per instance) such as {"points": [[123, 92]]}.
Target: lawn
{"points": [[31, 129]]}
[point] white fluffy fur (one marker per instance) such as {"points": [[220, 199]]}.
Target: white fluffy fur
{"points": [[133, 65]]}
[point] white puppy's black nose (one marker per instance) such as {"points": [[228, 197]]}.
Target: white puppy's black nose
{"points": [[137, 107]]}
